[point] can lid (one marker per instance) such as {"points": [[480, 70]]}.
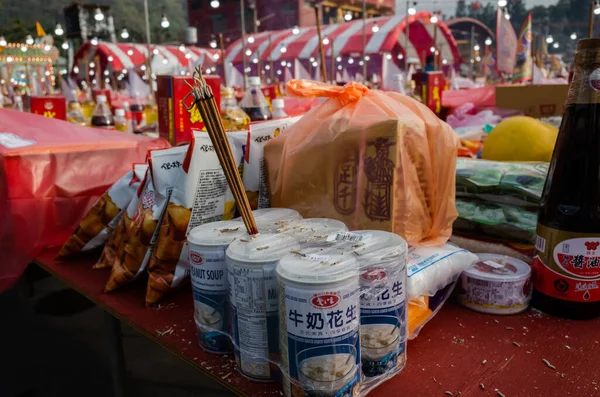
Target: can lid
{"points": [[278, 103], [327, 267], [379, 247], [217, 233], [254, 80], [261, 248], [271, 219], [313, 229], [496, 267]]}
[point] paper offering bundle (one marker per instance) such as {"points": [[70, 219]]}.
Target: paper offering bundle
{"points": [[98, 224], [255, 171], [200, 195], [140, 236], [116, 240]]}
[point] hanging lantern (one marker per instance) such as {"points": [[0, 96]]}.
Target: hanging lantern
{"points": [[476, 5]]}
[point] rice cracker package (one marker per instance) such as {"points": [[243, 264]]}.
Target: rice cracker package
{"points": [[115, 242], [255, 172], [134, 253], [200, 195], [98, 224], [371, 159]]}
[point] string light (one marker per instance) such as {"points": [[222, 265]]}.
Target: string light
{"points": [[249, 52], [65, 46], [444, 61], [182, 48], [348, 16], [338, 59], [255, 60], [375, 27], [124, 34], [213, 44], [315, 64], [502, 3], [58, 30], [295, 30], [549, 39], [488, 41], [433, 19], [283, 49], [400, 56], [188, 56], [110, 58], [340, 67], [412, 11], [573, 36], [29, 39], [555, 45], [476, 47], [597, 9], [215, 4], [251, 39], [283, 63], [388, 56], [94, 41], [216, 57], [130, 52], [2, 41], [76, 69], [267, 67], [164, 22], [350, 61], [325, 40], [155, 51], [98, 16]]}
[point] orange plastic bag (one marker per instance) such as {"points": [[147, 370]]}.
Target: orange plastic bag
{"points": [[371, 159]]}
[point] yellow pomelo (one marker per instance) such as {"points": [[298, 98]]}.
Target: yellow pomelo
{"points": [[520, 138]]}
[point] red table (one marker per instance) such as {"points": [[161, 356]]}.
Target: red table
{"points": [[457, 352]]}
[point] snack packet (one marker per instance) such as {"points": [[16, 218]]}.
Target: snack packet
{"points": [[200, 195], [508, 222], [255, 171], [115, 242], [511, 183], [96, 227], [140, 236], [371, 159]]}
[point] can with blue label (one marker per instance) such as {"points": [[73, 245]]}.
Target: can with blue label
{"points": [[252, 282], [208, 269], [319, 312], [383, 324]]}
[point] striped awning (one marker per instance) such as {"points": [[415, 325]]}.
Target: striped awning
{"points": [[346, 39], [163, 58]]}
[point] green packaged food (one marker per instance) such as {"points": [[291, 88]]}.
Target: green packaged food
{"points": [[511, 183], [508, 222]]}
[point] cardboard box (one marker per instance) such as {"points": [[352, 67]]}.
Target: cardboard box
{"points": [[53, 107], [175, 123], [537, 100], [433, 93]]}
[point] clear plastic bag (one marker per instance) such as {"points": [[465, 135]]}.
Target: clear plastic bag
{"points": [[319, 308], [369, 159]]}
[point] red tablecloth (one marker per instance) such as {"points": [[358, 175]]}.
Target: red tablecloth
{"points": [[51, 173]]}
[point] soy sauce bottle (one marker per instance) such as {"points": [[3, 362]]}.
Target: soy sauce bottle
{"points": [[254, 102], [102, 117], [566, 267]]}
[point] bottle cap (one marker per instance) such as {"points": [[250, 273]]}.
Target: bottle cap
{"points": [[254, 80], [101, 99], [120, 112], [278, 103]]}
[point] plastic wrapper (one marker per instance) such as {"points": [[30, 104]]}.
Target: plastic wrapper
{"points": [[200, 195], [140, 236], [517, 184], [432, 274], [326, 316], [99, 223], [508, 222], [255, 172], [51, 174], [369, 159], [116, 241]]}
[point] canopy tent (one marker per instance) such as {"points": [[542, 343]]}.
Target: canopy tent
{"points": [[347, 40], [165, 59]]}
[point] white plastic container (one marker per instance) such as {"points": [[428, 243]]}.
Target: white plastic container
{"points": [[253, 295], [207, 246], [313, 229], [319, 324], [269, 220], [383, 324], [496, 284]]}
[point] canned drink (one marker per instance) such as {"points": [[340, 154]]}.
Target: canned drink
{"points": [[319, 312], [383, 307], [269, 220], [253, 300], [313, 230], [207, 245]]}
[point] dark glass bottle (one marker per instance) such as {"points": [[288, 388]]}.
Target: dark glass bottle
{"points": [[566, 266]]}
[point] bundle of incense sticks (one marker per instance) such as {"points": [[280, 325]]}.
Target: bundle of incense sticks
{"points": [[204, 100]]}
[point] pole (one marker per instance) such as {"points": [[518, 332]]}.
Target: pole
{"points": [[243, 29], [321, 50], [254, 16], [333, 81], [222, 45], [271, 69], [591, 20], [471, 44], [99, 72], [364, 39], [435, 49], [532, 52], [148, 42], [406, 39]]}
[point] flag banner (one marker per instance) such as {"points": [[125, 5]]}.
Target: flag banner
{"points": [[523, 68], [506, 44]]}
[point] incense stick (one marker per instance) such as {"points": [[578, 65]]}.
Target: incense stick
{"points": [[204, 100]]}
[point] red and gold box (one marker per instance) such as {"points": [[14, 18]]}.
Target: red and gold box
{"points": [[433, 94], [53, 107], [175, 122]]}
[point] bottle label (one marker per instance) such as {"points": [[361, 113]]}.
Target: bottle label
{"points": [[567, 265]]}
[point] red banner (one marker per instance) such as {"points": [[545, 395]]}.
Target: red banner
{"points": [[506, 44]]}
